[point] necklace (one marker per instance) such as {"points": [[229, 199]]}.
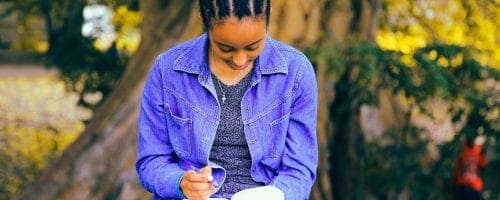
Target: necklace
{"points": [[223, 93], [218, 81]]}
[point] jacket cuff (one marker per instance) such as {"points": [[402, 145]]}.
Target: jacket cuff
{"points": [[219, 175], [179, 190], [290, 188], [169, 186]]}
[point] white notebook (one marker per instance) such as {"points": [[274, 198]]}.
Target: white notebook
{"points": [[260, 193]]}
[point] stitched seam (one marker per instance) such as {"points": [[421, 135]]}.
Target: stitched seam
{"points": [[277, 121], [291, 50], [278, 103], [267, 111], [300, 76], [178, 96], [280, 120]]}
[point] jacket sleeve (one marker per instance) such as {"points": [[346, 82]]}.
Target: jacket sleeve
{"points": [[156, 162], [300, 158]]}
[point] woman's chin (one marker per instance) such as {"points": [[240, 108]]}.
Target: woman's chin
{"points": [[235, 67], [242, 67]]}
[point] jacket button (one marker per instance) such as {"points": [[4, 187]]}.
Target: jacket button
{"points": [[253, 141], [247, 108]]}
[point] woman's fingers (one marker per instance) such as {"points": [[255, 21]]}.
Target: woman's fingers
{"points": [[197, 185], [206, 170], [202, 195], [192, 176]]}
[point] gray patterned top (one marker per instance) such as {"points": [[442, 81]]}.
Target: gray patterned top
{"points": [[230, 148]]}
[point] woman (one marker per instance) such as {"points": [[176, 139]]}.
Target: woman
{"points": [[229, 110]]}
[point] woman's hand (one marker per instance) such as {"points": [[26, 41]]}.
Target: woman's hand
{"points": [[197, 185]]}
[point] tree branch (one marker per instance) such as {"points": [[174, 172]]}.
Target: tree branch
{"points": [[7, 12]]}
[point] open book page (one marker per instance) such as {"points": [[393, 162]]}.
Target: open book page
{"points": [[260, 193]]}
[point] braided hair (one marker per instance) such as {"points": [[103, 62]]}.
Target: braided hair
{"points": [[221, 9]]}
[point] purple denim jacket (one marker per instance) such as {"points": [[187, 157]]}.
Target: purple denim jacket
{"points": [[180, 114]]}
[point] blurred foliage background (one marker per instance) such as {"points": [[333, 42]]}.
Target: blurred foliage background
{"points": [[39, 119], [399, 106]]}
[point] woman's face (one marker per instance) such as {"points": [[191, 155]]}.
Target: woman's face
{"points": [[237, 42]]}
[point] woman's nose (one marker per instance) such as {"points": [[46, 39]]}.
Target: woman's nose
{"points": [[240, 59]]}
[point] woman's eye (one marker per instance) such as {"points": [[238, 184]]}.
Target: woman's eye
{"points": [[225, 49], [251, 48]]}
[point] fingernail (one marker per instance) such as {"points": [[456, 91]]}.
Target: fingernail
{"points": [[210, 178]]}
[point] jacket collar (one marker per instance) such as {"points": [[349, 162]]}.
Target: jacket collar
{"points": [[195, 61]]}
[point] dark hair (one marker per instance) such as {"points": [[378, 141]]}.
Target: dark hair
{"points": [[469, 139], [221, 9]]}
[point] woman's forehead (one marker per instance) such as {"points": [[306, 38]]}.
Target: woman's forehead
{"points": [[234, 19], [237, 32]]}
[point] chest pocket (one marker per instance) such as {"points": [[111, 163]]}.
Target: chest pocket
{"points": [[279, 129], [180, 133]]}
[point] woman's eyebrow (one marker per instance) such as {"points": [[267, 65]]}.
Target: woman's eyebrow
{"points": [[227, 45], [253, 43]]}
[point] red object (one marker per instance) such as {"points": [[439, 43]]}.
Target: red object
{"points": [[467, 168]]}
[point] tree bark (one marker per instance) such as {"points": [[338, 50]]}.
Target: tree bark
{"points": [[340, 130], [100, 163]]}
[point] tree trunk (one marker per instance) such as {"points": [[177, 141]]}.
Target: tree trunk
{"points": [[100, 163], [354, 20]]}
